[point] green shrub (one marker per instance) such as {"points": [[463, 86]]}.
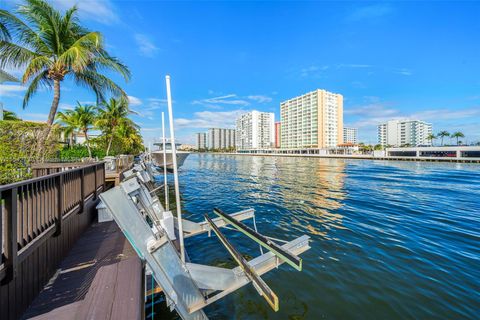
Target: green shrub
{"points": [[19, 148]]}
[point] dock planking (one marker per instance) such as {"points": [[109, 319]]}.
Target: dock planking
{"points": [[100, 278]]}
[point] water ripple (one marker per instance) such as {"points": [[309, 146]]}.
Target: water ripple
{"points": [[390, 240]]}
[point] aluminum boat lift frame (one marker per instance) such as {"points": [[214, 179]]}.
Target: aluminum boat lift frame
{"points": [[190, 287]]}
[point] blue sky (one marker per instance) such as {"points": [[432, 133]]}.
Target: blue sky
{"points": [[389, 59]]}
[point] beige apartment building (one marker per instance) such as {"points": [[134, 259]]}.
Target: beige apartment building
{"points": [[312, 120]]}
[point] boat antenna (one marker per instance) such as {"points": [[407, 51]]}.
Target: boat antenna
{"points": [[175, 169], [165, 181]]}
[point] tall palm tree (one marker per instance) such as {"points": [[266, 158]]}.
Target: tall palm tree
{"points": [[443, 134], [431, 137], [111, 115], [457, 135], [53, 47]]}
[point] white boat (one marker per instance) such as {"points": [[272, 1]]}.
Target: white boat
{"points": [[157, 156]]}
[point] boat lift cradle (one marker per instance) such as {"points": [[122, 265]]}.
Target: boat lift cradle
{"points": [[189, 287]]}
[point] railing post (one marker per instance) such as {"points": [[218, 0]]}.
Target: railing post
{"points": [[10, 245], [82, 189], [95, 174], [58, 220]]}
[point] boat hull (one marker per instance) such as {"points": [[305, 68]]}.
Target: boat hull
{"points": [[157, 157]]}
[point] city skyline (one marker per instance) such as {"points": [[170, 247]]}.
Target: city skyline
{"points": [[369, 61]]}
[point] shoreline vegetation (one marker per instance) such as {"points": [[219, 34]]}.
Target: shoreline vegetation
{"points": [[50, 47]]}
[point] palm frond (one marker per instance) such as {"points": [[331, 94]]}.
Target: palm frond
{"points": [[13, 55], [21, 32], [80, 55], [40, 80], [38, 64], [100, 84], [111, 63]]}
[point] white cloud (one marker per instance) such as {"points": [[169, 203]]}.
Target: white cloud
{"points": [[66, 106], [370, 12], [312, 71], [231, 100], [260, 98], [209, 119], [446, 114], [145, 45], [403, 72], [101, 11], [11, 90], [221, 101], [134, 101]]}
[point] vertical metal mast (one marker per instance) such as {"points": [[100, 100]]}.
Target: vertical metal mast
{"points": [[165, 181], [175, 169]]}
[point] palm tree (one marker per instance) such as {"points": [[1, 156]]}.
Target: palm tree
{"points": [[54, 46], [80, 119], [86, 116], [130, 137], [443, 134], [111, 115], [69, 124], [431, 137], [9, 115], [457, 135]]}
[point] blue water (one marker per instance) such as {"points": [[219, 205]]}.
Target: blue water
{"points": [[389, 240]]}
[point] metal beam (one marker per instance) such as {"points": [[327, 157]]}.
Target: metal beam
{"points": [[191, 228], [228, 280], [262, 288], [283, 254]]}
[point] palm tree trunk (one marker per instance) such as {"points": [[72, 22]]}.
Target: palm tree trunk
{"points": [[109, 144], [71, 140], [87, 142], [51, 117]]}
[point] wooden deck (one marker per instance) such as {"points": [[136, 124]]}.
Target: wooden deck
{"points": [[100, 278]]}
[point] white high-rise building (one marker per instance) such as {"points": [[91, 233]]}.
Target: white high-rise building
{"points": [[312, 120], [256, 130], [219, 138], [400, 133], [201, 140], [350, 135]]}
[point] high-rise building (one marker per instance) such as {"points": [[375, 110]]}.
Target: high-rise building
{"points": [[350, 135], [219, 138], [256, 130], [400, 133], [312, 120], [201, 140], [277, 134]]}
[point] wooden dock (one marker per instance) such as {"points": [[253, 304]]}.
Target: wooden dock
{"points": [[101, 278], [54, 262]]}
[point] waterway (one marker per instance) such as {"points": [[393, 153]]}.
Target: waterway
{"points": [[389, 240]]}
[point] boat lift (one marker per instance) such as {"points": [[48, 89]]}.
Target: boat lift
{"points": [[158, 239], [189, 287]]}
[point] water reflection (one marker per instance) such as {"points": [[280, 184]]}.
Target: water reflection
{"points": [[389, 239]]}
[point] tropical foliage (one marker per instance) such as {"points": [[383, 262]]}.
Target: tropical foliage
{"points": [[111, 116], [53, 46], [443, 134], [457, 135], [10, 116], [118, 132], [18, 148]]}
